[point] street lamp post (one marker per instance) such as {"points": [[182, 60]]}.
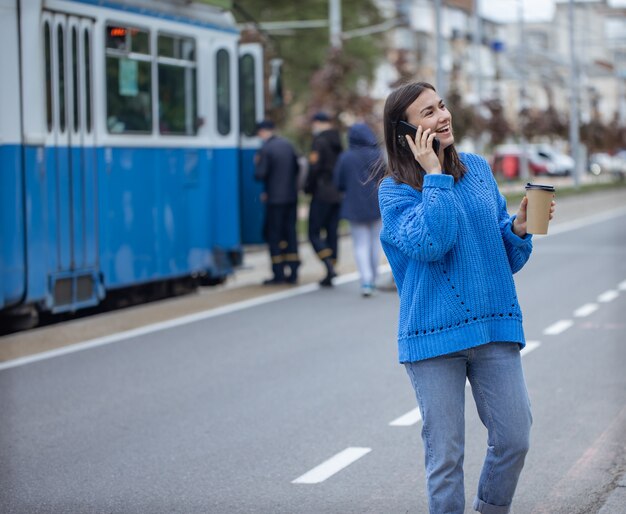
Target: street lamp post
{"points": [[478, 41], [334, 18], [524, 173], [439, 35], [574, 129]]}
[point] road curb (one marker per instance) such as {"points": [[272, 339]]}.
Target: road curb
{"points": [[616, 501]]}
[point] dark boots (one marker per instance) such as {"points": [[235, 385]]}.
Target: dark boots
{"points": [[293, 272], [279, 275], [330, 273]]}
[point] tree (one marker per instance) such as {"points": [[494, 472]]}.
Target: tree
{"points": [[316, 76], [466, 121], [497, 125]]}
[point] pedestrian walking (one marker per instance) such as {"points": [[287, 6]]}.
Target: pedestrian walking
{"points": [[277, 167], [325, 198], [360, 201], [453, 249]]}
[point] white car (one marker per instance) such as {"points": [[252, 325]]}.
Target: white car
{"points": [[607, 164], [556, 163]]}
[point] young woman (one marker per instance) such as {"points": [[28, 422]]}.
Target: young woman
{"points": [[453, 249]]}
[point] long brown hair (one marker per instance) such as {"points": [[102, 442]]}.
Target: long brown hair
{"points": [[401, 164]]}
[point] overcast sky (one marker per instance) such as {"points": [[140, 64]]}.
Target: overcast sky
{"points": [[507, 10]]}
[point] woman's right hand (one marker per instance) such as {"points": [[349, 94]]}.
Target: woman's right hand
{"points": [[422, 148]]}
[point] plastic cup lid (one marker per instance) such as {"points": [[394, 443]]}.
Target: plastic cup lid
{"points": [[543, 187]]}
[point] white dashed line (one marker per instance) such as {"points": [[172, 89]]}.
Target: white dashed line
{"points": [[410, 418], [558, 327], [350, 455], [608, 296], [530, 346], [414, 416], [331, 466], [586, 309]]}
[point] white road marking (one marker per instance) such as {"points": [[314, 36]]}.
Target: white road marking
{"points": [[184, 320], [558, 327], [568, 226], [530, 346], [622, 286], [331, 466], [586, 309], [155, 327], [414, 416], [406, 420], [608, 296]]}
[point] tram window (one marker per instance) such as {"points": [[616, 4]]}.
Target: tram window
{"points": [[140, 42], [48, 71], [223, 91], [128, 80], [88, 79], [61, 48], [247, 95], [178, 112], [75, 84]]}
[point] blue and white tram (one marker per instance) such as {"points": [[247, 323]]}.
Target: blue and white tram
{"points": [[126, 144]]}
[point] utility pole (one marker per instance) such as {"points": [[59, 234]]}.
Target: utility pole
{"points": [[523, 159], [574, 123], [334, 19], [439, 35], [478, 41]]}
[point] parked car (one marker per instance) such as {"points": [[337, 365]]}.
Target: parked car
{"points": [[542, 160], [556, 163], [603, 163], [506, 162]]}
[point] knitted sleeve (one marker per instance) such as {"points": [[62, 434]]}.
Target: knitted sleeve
{"points": [[422, 226], [518, 249]]}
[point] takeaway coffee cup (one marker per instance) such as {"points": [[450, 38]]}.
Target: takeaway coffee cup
{"points": [[538, 210]]}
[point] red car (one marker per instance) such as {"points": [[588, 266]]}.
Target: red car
{"points": [[506, 163]]}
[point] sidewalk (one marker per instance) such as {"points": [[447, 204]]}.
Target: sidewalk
{"points": [[245, 285], [257, 267], [616, 501], [560, 183]]}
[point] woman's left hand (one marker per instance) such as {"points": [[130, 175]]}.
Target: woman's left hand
{"points": [[519, 225]]}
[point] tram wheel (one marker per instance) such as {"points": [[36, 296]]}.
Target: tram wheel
{"points": [[20, 318]]}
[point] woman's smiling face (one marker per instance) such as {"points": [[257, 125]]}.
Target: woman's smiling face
{"points": [[429, 111]]}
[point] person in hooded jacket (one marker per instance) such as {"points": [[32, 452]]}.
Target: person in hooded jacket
{"points": [[325, 198], [360, 201]]}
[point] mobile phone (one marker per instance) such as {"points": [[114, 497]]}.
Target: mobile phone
{"points": [[404, 128]]}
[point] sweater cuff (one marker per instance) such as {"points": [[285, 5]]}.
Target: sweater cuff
{"points": [[512, 237], [438, 180]]}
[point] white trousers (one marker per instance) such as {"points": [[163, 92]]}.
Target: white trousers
{"points": [[366, 248]]}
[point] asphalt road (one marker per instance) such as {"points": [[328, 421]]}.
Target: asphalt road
{"points": [[224, 414]]}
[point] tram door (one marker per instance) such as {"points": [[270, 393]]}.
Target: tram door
{"points": [[70, 159], [251, 110]]}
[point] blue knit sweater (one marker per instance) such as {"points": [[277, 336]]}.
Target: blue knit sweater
{"points": [[453, 253]]}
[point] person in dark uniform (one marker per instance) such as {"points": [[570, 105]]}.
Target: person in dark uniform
{"points": [[325, 197], [277, 167]]}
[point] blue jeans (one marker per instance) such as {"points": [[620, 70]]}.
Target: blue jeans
{"points": [[495, 373]]}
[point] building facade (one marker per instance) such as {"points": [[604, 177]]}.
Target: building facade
{"points": [[527, 66]]}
